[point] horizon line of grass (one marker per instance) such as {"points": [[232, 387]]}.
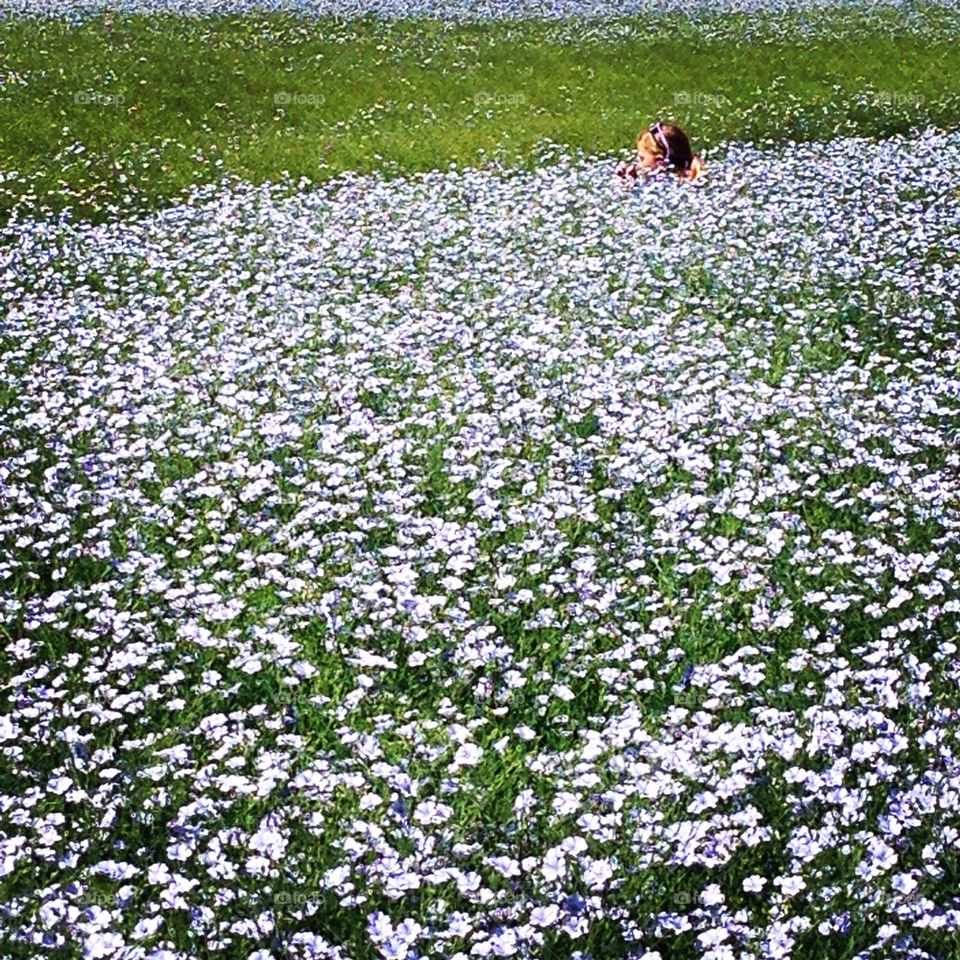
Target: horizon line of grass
{"points": [[121, 112]]}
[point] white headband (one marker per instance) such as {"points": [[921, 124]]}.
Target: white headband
{"points": [[657, 130]]}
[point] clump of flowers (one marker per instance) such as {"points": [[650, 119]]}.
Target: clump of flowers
{"points": [[475, 565]]}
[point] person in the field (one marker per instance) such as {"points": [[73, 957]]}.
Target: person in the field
{"points": [[662, 146]]}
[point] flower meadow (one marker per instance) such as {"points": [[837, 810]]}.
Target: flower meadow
{"points": [[488, 563], [459, 11]]}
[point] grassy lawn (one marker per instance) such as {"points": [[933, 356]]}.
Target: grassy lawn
{"points": [[122, 112]]}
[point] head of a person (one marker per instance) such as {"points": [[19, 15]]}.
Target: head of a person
{"points": [[665, 144]]}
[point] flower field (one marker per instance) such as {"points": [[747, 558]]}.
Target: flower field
{"points": [[451, 11], [488, 563]]}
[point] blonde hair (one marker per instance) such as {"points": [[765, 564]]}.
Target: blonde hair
{"points": [[669, 141]]}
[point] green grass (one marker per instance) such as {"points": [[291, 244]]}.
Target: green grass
{"points": [[158, 104]]}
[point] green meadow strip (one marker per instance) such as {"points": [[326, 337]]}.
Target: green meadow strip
{"points": [[121, 113]]}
